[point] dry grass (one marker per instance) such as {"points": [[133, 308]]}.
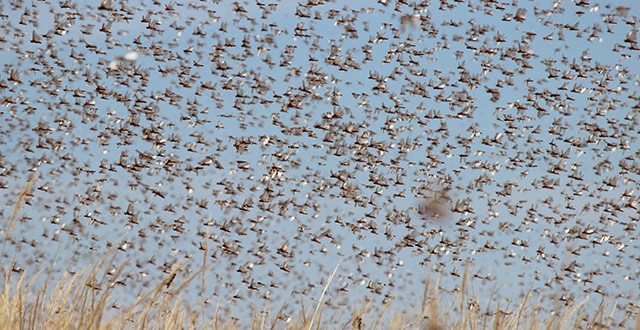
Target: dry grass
{"points": [[82, 301]]}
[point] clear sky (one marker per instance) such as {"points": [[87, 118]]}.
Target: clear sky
{"points": [[263, 126]]}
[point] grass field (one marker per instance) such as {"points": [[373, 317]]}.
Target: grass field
{"points": [[83, 301]]}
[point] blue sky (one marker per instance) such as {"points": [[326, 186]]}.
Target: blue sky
{"points": [[302, 165]]}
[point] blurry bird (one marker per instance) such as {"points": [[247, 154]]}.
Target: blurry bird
{"points": [[127, 58]]}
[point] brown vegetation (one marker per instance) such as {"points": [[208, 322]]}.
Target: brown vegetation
{"points": [[83, 301]]}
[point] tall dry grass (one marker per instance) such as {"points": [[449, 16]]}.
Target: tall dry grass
{"points": [[83, 301]]}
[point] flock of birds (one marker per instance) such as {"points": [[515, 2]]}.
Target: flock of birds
{"points": [[277, 141]]}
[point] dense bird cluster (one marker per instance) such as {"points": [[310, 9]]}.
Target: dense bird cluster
{"points": [[275, 141]]}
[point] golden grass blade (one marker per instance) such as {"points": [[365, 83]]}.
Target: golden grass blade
{"points": [[521, 308], [568, 314], [324, 290], [381, 313], [434, 315]]}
